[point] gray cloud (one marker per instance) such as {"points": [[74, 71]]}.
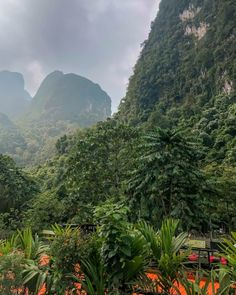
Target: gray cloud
{"points": [[99, 39]]}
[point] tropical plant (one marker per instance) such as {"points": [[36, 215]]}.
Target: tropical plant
{"points": [[228, 249], [36, 277], [17, 253], [167, 181], [9, 245], [123, 250], [30, 245], [63, 253], [215, 282], [165, 246], [91, 275], [11, 267]]}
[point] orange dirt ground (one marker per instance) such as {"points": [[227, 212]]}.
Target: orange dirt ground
{"points": [[154, 277]]}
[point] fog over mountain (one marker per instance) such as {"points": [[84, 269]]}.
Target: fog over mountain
{"points": [[14, 99], [96, 39], [62, 103]]}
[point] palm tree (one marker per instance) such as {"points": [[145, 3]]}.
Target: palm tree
{"points": [[165, 246], [167, 181]]}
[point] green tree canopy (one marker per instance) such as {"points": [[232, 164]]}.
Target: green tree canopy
{"points": [[16, 188], [168, 180]]}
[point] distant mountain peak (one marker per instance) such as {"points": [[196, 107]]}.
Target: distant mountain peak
{"points": [[70, 97], [14, 99]]}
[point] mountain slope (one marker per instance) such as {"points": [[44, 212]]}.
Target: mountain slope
{"points": [[70, 97], [186, 74], [11, 139], [63, 103], [14, 99]]}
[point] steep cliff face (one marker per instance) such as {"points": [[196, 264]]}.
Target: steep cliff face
{"points": [[14, 99], [186, 74], [63, 103]]}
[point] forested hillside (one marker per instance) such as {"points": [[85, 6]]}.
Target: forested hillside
{"points": [[11, 138], [186, 75]]}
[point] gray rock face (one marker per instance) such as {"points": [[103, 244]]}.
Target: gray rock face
{"points": [[14, 99]]}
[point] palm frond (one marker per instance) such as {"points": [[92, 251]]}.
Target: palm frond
{"points": [[151, 237]]}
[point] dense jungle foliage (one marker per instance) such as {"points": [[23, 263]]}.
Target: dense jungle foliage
{"points": [[158, 174], [114, 260]]}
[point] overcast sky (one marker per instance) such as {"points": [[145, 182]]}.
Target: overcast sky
{"points": [[98, 39]]}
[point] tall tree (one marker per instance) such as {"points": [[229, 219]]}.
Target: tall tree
{"points": [[220, 205], [16, 188], [97, 164], [168, 180]]}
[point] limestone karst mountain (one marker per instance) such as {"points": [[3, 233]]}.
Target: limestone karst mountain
{"points": [[186, 74], [69, 97], [63, 103]]}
